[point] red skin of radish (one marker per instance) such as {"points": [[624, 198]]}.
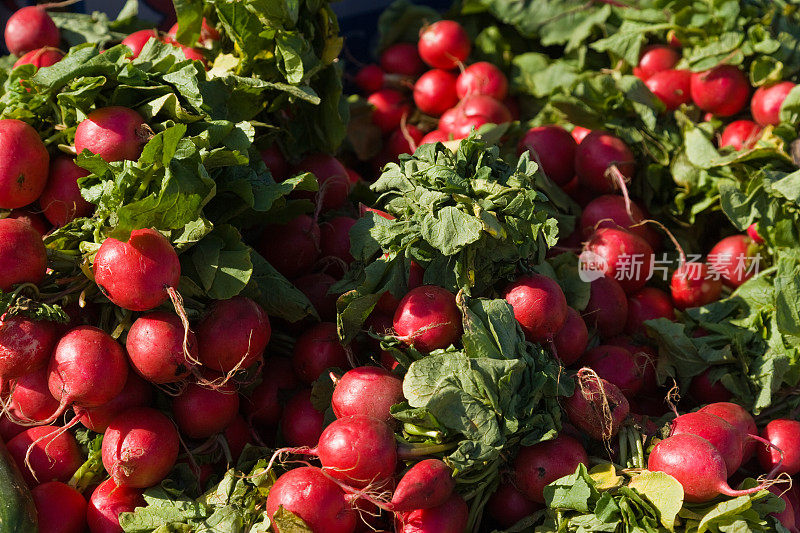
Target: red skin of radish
{"points": [[752, 232], [444, 44], [740, 134], [554, 148], [335, 238], [598, 151], [579, 133], [403, 59], [738, 417], [767, 101], [281, 369], [136, 393], [723, 90], [237, 435], [301, 235], [317, 500], [729, 258], [25, 346], [429, 483], [435, 136], [315, 287], [276, 162], [61, 199], [358, 450], [609, 211], [508, 505], [647, 304], [234, 334], [787, 517], [482, 78], [263, 407], [106, 504], [539, 465], [690, 288], [136, 41], [613, 245], [24, 163], [539, 306], [656, 58], [723, 436], [155, 347], [201, 412], [646, 359], [135, 275], [31, 218], [369, 391], [207, 33], [704, 391], [59, 508], [584, 409], [334, 184], [369, 79], [435, 92], [301, 423], [785, 434], [472, 113], [450, 517], [607, 309], [428, 318], [41, 57], [23, 257], [616, 365], [30, 28], [140, 447], [388, 303], [671, 87], [572, 338], [402, 142], [31, 399], [9, 429], [55, 458], [389, 108], [317, 350], [114, 133]]}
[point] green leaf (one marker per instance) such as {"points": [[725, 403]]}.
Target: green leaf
{"points": [[663, 491]]}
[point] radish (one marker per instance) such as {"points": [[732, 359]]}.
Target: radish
{"points": [[472, 113], [23, 174], [207, 33], [59, 508], [444, 44], [138, 274], [731, 258], [31, 400], [427, 484], [767, 101], [617, 366], [136, 41], [30, 28], [301, 235], [369, 391], [647, 304], [41, 57], [403, 140], [597, 407], [740, 135], [435, 136], [233, 335], [31, 218], [450, 517], [316, 287], [301, 423], [508, 505], [579, 133], [201, 412], [784, 435], [237, 437], [738, 417], [703, 390], [611, 211], [108, 501], [23, 257], [537, 466], [656, 58], [114, 133], [403, 59], [752, 232], [482, 78], [45, 453], [671, 87], [136, 393], [317, 350], [692, 286], [389, 108], [25, 347], [595, 154], [335, 238], [554, 149], [787, 517], [539, 306], [571, 340], [607, 309], [334, 185], [388, 303], [428, 318], [155, 346], [315, 499], [61, 199], [727, 439], [263, 407], [369, 78], [435, 92], [645, 358], [9, 429], [723, 90], [623, 256], [275, 161]]}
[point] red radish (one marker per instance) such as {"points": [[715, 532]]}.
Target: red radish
{"points": [[137, 274], [738, 417], [388, 303], [367, 390], [785, 435], [671, 87], [444, 44], [25, 346], [201, 412], [722, 90], [140, 447], [767, 101], [9, 429], [31, 400], [23, 257], [595, 154], [692, 286], [60, 508], [402, 141], [114, 133], [53, 454], [136, 393], [474, 112], [435, 136], [23, 173], [41, 57], [403, 59], [108, 501], [450, 517], [315, 499], [579, 133], [195, 54], [449, 120], [582, 195], [390, 107], [752, 232], [237, 436], [704, 391], [732, 258], [369, 78], [31, 218], [788, 516], [30, 28], [281, 369], [697, 465], [508, 505], [207, 33], [301, 423], [335, 238], [554, 149], [353, 177], [482, 78], [276, 162], [597, 407], [539, 306], [656, 58], [61, 199], [317, 350], [427, 484], [623, 256], [315, 287], [233, 335], [136, 41], [646, 359], [648, 303], [616, 365], [727, 439], [301, 235], [539, 465], [610, 211], [435, 92], [607, 309], [428, 318], [740, 135], [572, 338], [263, 407], [334, 184], [155, 347]]}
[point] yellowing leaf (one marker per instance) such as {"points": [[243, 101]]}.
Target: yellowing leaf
{"points": [[605, 476], [663, 491]]}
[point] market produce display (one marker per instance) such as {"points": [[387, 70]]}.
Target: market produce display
{"points": [[536, 268]]}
